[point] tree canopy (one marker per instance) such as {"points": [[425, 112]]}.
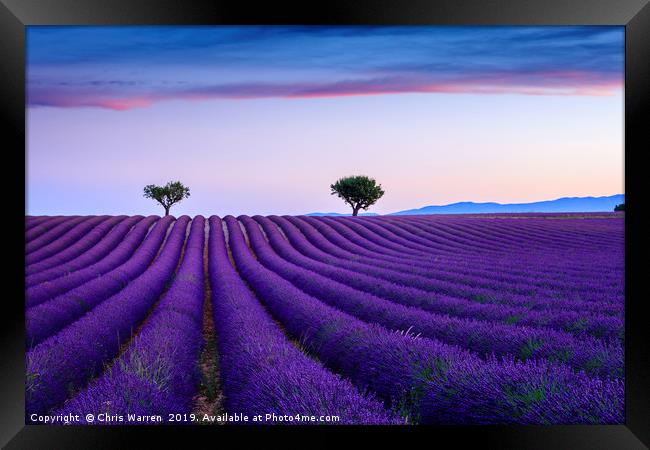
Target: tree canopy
{"points": [[620, 207], [360, 192], [167, 195]]}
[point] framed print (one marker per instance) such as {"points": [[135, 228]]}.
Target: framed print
{"points": [[367, 219]]}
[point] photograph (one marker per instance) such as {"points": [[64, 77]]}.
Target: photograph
{"points": [[398, 225]]}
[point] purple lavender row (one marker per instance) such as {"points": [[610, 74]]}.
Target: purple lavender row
{"points": [[442, 233], [447, 282], [66, 240], [441, 241], [378, 235], [358, 278], [451, 298], [384, 231], [600, 326], [43, 226], [39, 230], [450, 237], [346, 290], [483, 231], [425, 238], [454, 233], [471, 288], [108, 254], [368, 239], [567, 261], [32, 221], [582, 230], [381, 239], [46, 319], [567, 232], [578, 251], [512, 264], [428, 381], [544, 238], [605, 231], [335, 245], [158, 372], [340, 242], [422, 237], [54, 233], [76, 249], [366, 244], [66, 361], [261, 371]]}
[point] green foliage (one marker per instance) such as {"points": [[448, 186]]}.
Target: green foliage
{"points": [[577, 326], [407, 406], [561, 355], [529, 348], [511, 320], [593, 364], [620, 207], [167, 195], [360, 192], [521, 398], [152, 368]]}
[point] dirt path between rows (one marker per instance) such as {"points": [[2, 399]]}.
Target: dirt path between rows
{"points": [[209, 399]]}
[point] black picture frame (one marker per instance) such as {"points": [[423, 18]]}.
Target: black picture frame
{"points": [[633, 14]]}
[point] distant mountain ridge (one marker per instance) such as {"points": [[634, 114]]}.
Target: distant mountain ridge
{"points": [[564, 204], [560, 205], [321, 214]]}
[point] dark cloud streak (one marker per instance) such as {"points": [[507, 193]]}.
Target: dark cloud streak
{"points": [[124, 67]]}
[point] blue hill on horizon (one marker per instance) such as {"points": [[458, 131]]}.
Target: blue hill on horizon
{"points": [[321, 214], [560, 205]]}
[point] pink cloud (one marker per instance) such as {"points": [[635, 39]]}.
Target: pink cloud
{"points": [[538, 83], [124, 104]]}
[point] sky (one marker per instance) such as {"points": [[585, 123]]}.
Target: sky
{"points": [[261, 120]]}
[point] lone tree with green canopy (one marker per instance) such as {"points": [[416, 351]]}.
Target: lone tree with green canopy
{"points": [[167, 195], [360, 192]]}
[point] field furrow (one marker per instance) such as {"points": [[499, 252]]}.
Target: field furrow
{"points": [[481, 319]]}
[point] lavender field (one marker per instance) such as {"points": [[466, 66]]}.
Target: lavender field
{"points": [[456, 319]]}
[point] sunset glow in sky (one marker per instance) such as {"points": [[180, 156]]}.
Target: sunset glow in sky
{"points": [[261, 120]]}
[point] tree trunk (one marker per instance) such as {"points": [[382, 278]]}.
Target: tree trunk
{"points": [[355, 211], [166, 210]]}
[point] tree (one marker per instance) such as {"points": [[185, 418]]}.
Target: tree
{"points": [[620, 207], [167, 195], [360, 192]]}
